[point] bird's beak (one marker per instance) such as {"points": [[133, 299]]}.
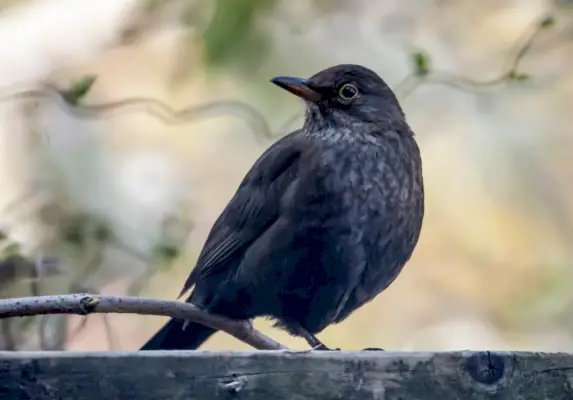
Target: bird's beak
{"points": [[298, 87]]}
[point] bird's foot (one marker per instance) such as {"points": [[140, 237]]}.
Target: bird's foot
{"points": [[322, 347], [315, 344], [372, 349], [306, 351]]}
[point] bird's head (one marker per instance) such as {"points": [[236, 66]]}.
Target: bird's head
{"points": [[344, 95]]}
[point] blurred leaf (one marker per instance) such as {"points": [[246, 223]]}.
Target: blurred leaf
{"points": [[74, 236], [79, 89], [517, 77], [233, 37], [13, 250], [103, 233], [421, 61], [74, 232], [165, 254], [547, 22]]}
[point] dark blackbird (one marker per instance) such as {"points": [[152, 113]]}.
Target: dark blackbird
{"points": [[324, 221]]}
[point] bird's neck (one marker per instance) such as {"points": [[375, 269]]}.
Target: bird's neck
{"points": [[318, 120], [359, 133]]}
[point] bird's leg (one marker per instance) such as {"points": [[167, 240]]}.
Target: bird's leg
{"points": [[313, 341]]}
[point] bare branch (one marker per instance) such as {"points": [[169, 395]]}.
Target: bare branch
{"points": [[85, 304], [150, 106], [510, 73]]}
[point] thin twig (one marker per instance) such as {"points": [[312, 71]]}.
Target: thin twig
{"points": [[85, 304], [151, 106], [520, 49]]}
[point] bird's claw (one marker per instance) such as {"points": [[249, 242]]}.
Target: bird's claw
{"points": [[322, 347]]}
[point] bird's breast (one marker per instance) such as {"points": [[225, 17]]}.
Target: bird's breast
{"points": [[371, 190]]}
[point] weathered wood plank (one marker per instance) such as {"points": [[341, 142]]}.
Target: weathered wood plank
{"points": [[286, 375]]}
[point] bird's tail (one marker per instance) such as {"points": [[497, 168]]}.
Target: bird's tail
{"points": [[175, 335]]}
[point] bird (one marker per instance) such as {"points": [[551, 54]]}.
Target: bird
{"points": [[324, 220]]}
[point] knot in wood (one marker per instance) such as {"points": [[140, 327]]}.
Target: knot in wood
{"points": [[88, 304], [485, 367]]}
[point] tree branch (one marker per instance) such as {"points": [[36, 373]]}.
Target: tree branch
{"points": [[424, 76], [85, 304], [149, 105]]}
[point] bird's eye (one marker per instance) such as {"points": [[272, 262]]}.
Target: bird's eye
{"points": [[348, 91]]}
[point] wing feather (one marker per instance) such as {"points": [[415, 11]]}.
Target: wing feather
{"points": [[251, 211]]}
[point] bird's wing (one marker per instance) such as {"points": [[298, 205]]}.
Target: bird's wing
{"points": [[254, 207]]}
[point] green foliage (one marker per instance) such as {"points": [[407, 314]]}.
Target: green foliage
{"points": [[74, 234], [166, 251], [103, 233], [13, 250], [79, 89], [517, 77], [165, 254], [233, 37], [421, 63], [80, 228], [547, 22]]}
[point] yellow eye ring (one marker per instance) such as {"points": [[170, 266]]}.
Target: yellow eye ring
{"points": [[348, 91]]}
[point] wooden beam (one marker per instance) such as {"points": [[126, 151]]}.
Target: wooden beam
{"points": [[282, 375]]}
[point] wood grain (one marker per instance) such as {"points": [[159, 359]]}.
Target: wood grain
{"points": [[282, 375]]}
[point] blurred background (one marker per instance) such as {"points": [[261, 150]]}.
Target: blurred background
{"points": [[126, 126]]}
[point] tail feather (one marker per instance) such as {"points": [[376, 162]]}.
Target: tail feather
{"points": [[173, 337]]}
